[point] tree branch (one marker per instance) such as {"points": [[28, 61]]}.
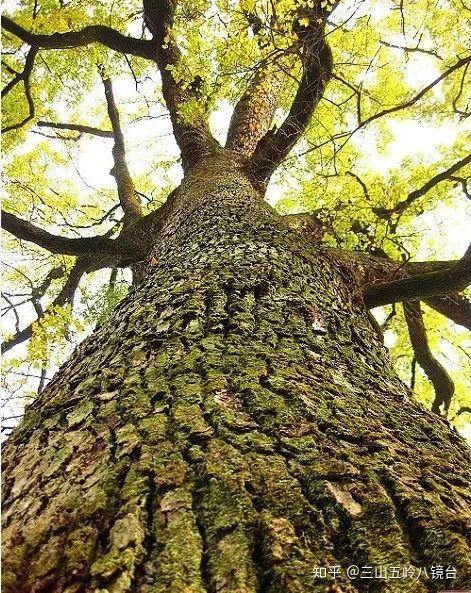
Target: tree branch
{"points": [[54, 274], [463, 410], [193, 137], [27, 231], [418, 49], [128, 197], [12, 307], [409, 103], [437, 374], [361, 183], [418, 193], [91, 34], [456, 66], [456, 109], [317, 64], [421, 286], [253, 113], [76, 128], [25, 76]]}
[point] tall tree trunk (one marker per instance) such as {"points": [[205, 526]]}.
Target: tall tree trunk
{"points": [[234, 425]]}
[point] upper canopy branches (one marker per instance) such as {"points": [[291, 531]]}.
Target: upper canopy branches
{"points": [[192, 132], [194, 139], [249, 135], [71, 39]]}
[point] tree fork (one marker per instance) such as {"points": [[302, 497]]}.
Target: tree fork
{"points": [[317, 65]]}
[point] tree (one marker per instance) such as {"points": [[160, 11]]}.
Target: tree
{"points": [[235, 424]]}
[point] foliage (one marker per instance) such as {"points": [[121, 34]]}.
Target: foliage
{"points": [[102, 303]]}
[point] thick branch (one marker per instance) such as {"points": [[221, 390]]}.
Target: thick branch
{"points": [[65, 296], [455, 307], [317, 70], [91, 34], [55, 244], [421, 286], [374, 269], [128, 197], [254, 111], [193, 137], [76, 128], [418, 193], [437, 374]]}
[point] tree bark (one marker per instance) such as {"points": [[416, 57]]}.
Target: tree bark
{"points": [[234, 425]]}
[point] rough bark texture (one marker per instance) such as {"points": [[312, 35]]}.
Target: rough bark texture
{"points": [[254, 112], [235, 424]]}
